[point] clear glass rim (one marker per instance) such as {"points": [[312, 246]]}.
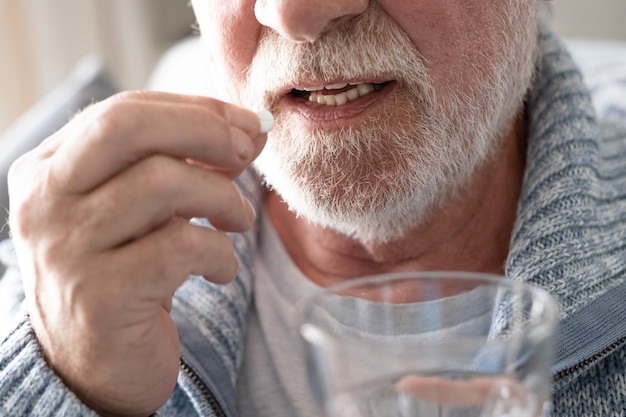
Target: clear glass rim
{"points": [[550, 305]]}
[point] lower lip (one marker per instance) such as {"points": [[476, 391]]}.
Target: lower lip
{"points": [[318, 114]]}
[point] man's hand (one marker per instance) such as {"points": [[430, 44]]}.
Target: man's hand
{"points": [[99, 217]]}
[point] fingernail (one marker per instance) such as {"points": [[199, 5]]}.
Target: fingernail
{"points": [[250, 211], [243, 144], [267, 120]]}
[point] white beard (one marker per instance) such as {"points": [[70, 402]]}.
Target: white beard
{"points": [[377, 181]]}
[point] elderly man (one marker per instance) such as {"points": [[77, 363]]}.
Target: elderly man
{"points": [[409, 135]]}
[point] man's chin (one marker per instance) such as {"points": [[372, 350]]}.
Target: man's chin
{"points": [[381, 223]]}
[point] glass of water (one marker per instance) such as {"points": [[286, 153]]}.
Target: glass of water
{"points": [[425, 344]]}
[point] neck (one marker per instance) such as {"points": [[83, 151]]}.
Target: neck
{"points": [[470, 233]]}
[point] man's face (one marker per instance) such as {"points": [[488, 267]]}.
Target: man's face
{"points": [[417, 94]]}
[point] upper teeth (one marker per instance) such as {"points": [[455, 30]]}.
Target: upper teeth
{"points": [[358, 90], [327, 87]]}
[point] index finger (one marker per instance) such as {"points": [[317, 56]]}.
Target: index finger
{"points": [[112, 135]]}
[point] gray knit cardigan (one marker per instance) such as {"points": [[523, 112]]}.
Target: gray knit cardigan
{"points": [[570, 238]]}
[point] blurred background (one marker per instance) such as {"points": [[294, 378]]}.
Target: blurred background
{"points": [[42, 40]]}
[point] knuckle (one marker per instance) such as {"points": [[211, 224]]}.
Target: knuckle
{"points": [[175, 255], [220, 110], [26, 211], [19, 224], [221, 262], [17, 168], [218, 115], [205, 252], [23, 172], [232, 214], [16, 182], [53, 253], [212, 123], [112, 117], [119, 113], [185, 241], [159, 172], [128, 96], [42, 213]]}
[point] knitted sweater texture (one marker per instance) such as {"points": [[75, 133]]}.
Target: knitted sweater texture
{"points": [[569, 238]]}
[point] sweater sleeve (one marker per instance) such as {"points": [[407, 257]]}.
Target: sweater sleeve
{"points": [[29, 387]]}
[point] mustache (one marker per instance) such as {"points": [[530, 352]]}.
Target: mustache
{"points": [[368, 47]]}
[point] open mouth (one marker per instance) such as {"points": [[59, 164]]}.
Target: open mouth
{"points": [[337, 94]]}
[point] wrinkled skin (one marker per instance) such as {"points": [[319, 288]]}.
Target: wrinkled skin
{"points": [[98, 216]]}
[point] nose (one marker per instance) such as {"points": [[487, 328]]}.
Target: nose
{"points": [[305, 20]]}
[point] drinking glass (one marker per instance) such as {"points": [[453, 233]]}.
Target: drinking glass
{"points": [[425, 344]]}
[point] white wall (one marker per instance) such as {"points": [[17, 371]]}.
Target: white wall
{"points": [[590, 18], [41, 40]]}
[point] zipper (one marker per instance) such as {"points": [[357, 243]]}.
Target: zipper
{"points": [[203, 388], [605, 352]]}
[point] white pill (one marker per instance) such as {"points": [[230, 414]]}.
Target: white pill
{"points": [[267, 120]]}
